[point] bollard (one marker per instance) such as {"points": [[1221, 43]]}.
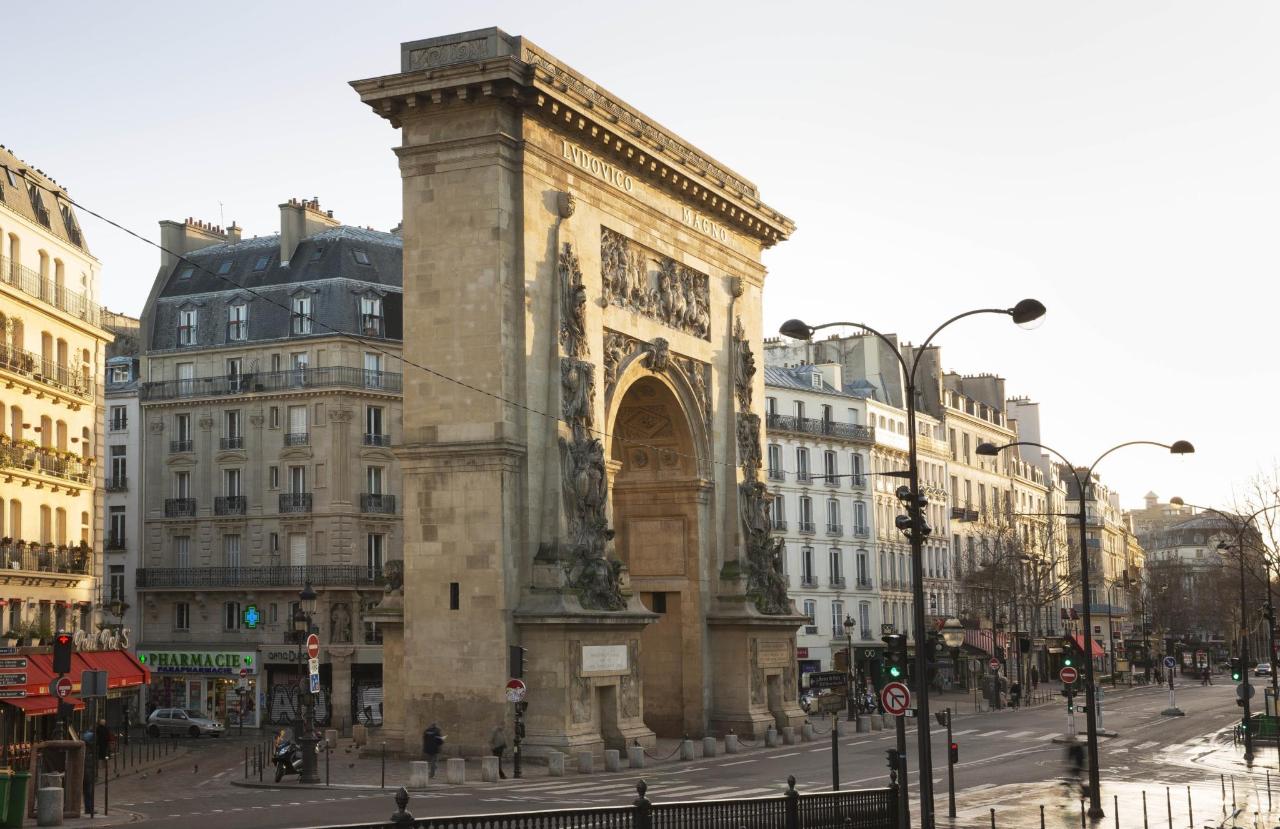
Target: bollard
{"points": [[1233, 790], [876, 721], [789, 735], [612, 759], [709, 747], [862, 725], [686, 749], [455, 771], [993, 819], [1041, 816], [635, 757], [731, 743], [1115, 809], [841, 727], [555, 764], [246, 762], [1081, 814], [771, 737], [384, 765], [489, 769], [1168, 802], [49, 806], [806, 731], [586, 762], [1144, 809], [419, 774], [1189, 823]]}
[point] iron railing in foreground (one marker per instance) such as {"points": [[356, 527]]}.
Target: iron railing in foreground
{"points": [[857, 809]]}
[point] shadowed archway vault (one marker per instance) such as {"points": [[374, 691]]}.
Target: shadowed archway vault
{"points": [[599, 501]]}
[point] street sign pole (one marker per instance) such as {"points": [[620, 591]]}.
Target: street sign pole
{"points": [[904, 802], [835, 756]]}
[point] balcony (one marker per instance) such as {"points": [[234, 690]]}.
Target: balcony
{"points": [[777, 474], [319, 575], [118, 483], [45, 558], [230, 505], [861, 532], [176, 446], [179, 507], [780, 524], [44, 460], [295, 502], [803, 476], [237, 331], [831, 479], [371, 439], [814, 426], [31, 283], [808, 582], [115, 542], [297, 439], [835, 529], [118, 424], [45, 372], [864, 584], [224, 385], [371, 325], [838, 582], [377, 503], [805, 527], [233, 442], [858, 481]]}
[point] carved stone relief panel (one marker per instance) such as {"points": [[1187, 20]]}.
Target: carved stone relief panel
{"points": [[657, 286], [580, 686], [620, 348]]}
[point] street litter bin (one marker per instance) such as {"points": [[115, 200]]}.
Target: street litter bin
{"points": [[17, 800]]}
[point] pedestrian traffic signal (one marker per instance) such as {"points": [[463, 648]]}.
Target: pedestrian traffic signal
{"points": [[1236, 669], [63, 645], [955, 753], [895, 656], [515, 662], [1068, 652]]}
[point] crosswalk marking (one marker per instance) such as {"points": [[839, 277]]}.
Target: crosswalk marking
{"points": [[739, 793], [993, 733], [1118, 743], [966, 731], [1049, 735], [1148, 744], [1018, 735]]}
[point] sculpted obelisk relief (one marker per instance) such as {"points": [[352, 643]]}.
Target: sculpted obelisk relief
{"points": [[590, 489]]}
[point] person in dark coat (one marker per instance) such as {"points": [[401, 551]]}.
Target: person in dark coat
{"points": [[432, 742], [103, 738], [90, 770]]}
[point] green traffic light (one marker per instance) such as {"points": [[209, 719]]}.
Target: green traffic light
{"points": [[895, 671], [1068, 661]]}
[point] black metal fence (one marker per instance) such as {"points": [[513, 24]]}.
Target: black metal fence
{"points": [[320, 575], [860, 809], [271, 381]]}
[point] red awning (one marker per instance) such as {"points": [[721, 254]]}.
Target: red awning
{"points": [[123, 671], [40, 705], [1097, 651], [983, 640]]}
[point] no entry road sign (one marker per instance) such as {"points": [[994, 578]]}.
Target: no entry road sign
{"points": [[62, 687], [1068, 675], [895, 698], [515, 690], [993, 664], [313, 646]]}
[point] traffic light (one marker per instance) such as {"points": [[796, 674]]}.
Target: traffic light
{"points": [[1068, 652], [954, 756], [1236, 670], [919, 503], [63, 646], [515, 662], [895, 656]]}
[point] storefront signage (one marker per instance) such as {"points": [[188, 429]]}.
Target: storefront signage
{"points": [[292, 657], [198, 662], [104, 640]]}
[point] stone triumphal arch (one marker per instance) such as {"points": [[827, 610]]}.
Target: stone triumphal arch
{"points": [[583, 476]]}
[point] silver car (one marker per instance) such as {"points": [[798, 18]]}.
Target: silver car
{"points": [[181, 721]]}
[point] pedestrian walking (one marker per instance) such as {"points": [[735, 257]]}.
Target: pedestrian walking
{"points": [[103, 739], [90, 778], [1035, 677], [498, 744], [432, 742], [1015, 694]]}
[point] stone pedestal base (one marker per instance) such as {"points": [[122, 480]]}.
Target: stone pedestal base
{"points": [[753, 663]]}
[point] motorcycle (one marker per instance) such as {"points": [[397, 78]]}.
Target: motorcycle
{"points": [[288, 759]]}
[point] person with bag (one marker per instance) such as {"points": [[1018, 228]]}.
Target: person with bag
{"points": [[498, 744], [432, 742]]}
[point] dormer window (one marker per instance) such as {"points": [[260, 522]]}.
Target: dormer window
{"points": [[186, 272], [37, 204], [187, 326], [261, 264], [301, 316], [360, 256], [13, 180], [816, 379], [317, 252], [237, 322], [371, 316], [224, 268], [119, 374]]}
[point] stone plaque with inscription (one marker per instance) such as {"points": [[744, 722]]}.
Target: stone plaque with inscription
{"points": [[773, 653], [604, 659]]}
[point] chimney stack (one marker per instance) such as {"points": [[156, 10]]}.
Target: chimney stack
{"points": [[180, 238], [300, 219]]}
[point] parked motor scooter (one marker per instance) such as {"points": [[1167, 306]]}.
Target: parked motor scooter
{"points": [[288, 759]]}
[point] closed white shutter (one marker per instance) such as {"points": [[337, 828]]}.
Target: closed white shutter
{"points": [[298, 420], [297, 549]]}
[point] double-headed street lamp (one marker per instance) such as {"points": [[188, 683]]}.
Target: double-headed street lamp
{"points": [[304, 731], [1240, 524], [916, 528], [1180, 447]]}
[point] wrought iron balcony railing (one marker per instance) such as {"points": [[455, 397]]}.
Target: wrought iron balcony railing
{"points": [[835, 529], [118, 483], [271, 381], [805, 527], [118, 424], [319, 575], [233, 442], [176, 446], [815, 426], [45, 558], [808, 582], [33, 284], [864, 584], [295, 502], [230, 505], [371, 439], [378, 503], [780, 524], [297, 439], [861, 531], [777, 474], [44, 461], [179, 507], [838, 582], [115, 542], [46, 372]]}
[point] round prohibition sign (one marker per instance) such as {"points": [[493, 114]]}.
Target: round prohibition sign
{"points": [[1068, 675], [895, 698]]}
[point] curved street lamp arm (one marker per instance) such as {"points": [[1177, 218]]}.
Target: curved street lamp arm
{"points": [[893, 348], [1060, 457], [1123, 445], [925, 345]]}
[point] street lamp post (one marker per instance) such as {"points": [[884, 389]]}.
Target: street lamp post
{"points": [[304, 730], [1180, 447], [850, 711], [1026, 312]]}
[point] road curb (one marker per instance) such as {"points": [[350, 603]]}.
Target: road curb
{"points": [[357, 787]]}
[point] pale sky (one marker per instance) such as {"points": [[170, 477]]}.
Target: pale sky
{"points": [[1117, 161]]}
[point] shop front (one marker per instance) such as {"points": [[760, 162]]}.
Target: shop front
{"points": [[218, 684], [350, 685]]}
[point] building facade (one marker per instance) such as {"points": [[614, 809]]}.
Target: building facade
{"points": [[121, 529], [52, 348], [270, 401]]}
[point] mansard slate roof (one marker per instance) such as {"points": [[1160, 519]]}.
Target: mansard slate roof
{"points": [[324, 267], [16, 197], [799, 378]]}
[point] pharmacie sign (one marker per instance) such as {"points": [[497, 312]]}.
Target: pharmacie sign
{"points": [[198, 662]]}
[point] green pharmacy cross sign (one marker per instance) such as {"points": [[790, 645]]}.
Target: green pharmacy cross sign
{"points": [[251, 616]]}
